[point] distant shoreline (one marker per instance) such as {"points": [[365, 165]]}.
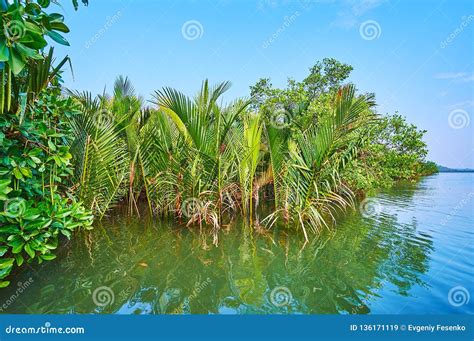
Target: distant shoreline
{"points": [[442, 169], [458, 171]]}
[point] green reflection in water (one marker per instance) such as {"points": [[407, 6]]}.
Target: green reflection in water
{"points": [[140, 266]]}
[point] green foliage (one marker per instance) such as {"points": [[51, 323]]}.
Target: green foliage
{"points": [[315, 143], [204, 166], [428, 168], [300, 104], [247, 155], [24, 26], [193, 148], [326, 77], [99, 151], [395, 151], [37, 206], [310, 178], [310, 183]]}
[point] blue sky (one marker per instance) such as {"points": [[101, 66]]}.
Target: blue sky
{"points": [[416, 56]]}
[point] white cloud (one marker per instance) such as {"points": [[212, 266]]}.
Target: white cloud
{"points": [[465, 104], [457, 76], [347, 17], [352, 10], [305, 4]]}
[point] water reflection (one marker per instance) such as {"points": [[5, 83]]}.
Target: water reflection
{"points": [[157, 268]]}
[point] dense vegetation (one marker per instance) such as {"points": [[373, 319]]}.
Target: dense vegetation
{"points": [[35, 163], [306, 151]]}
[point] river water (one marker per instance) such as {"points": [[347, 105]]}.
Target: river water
{"points": [[408, 250]]}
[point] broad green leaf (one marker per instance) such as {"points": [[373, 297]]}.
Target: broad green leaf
{"points": [[44, 3], [27, 52], [33, 28], [4, 51], [5, 272], [19, 259], [66, 233], [26, 172], [16, 61], [18, 248], [3, 250], [63, 213], [13, 228], [57, 38], [29, 251], [56, 17], [51, 145], [17, 173], [59, 26], [4, 183], [48, 257], [32, 8], [35, 159], [6, 262]]}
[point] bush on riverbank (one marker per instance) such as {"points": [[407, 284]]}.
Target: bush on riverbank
{"points": [[37, 203]]}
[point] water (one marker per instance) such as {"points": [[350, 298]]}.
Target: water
{"points": [[413, 246]]}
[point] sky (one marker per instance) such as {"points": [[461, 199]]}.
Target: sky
{"points": [[416, 56]]}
